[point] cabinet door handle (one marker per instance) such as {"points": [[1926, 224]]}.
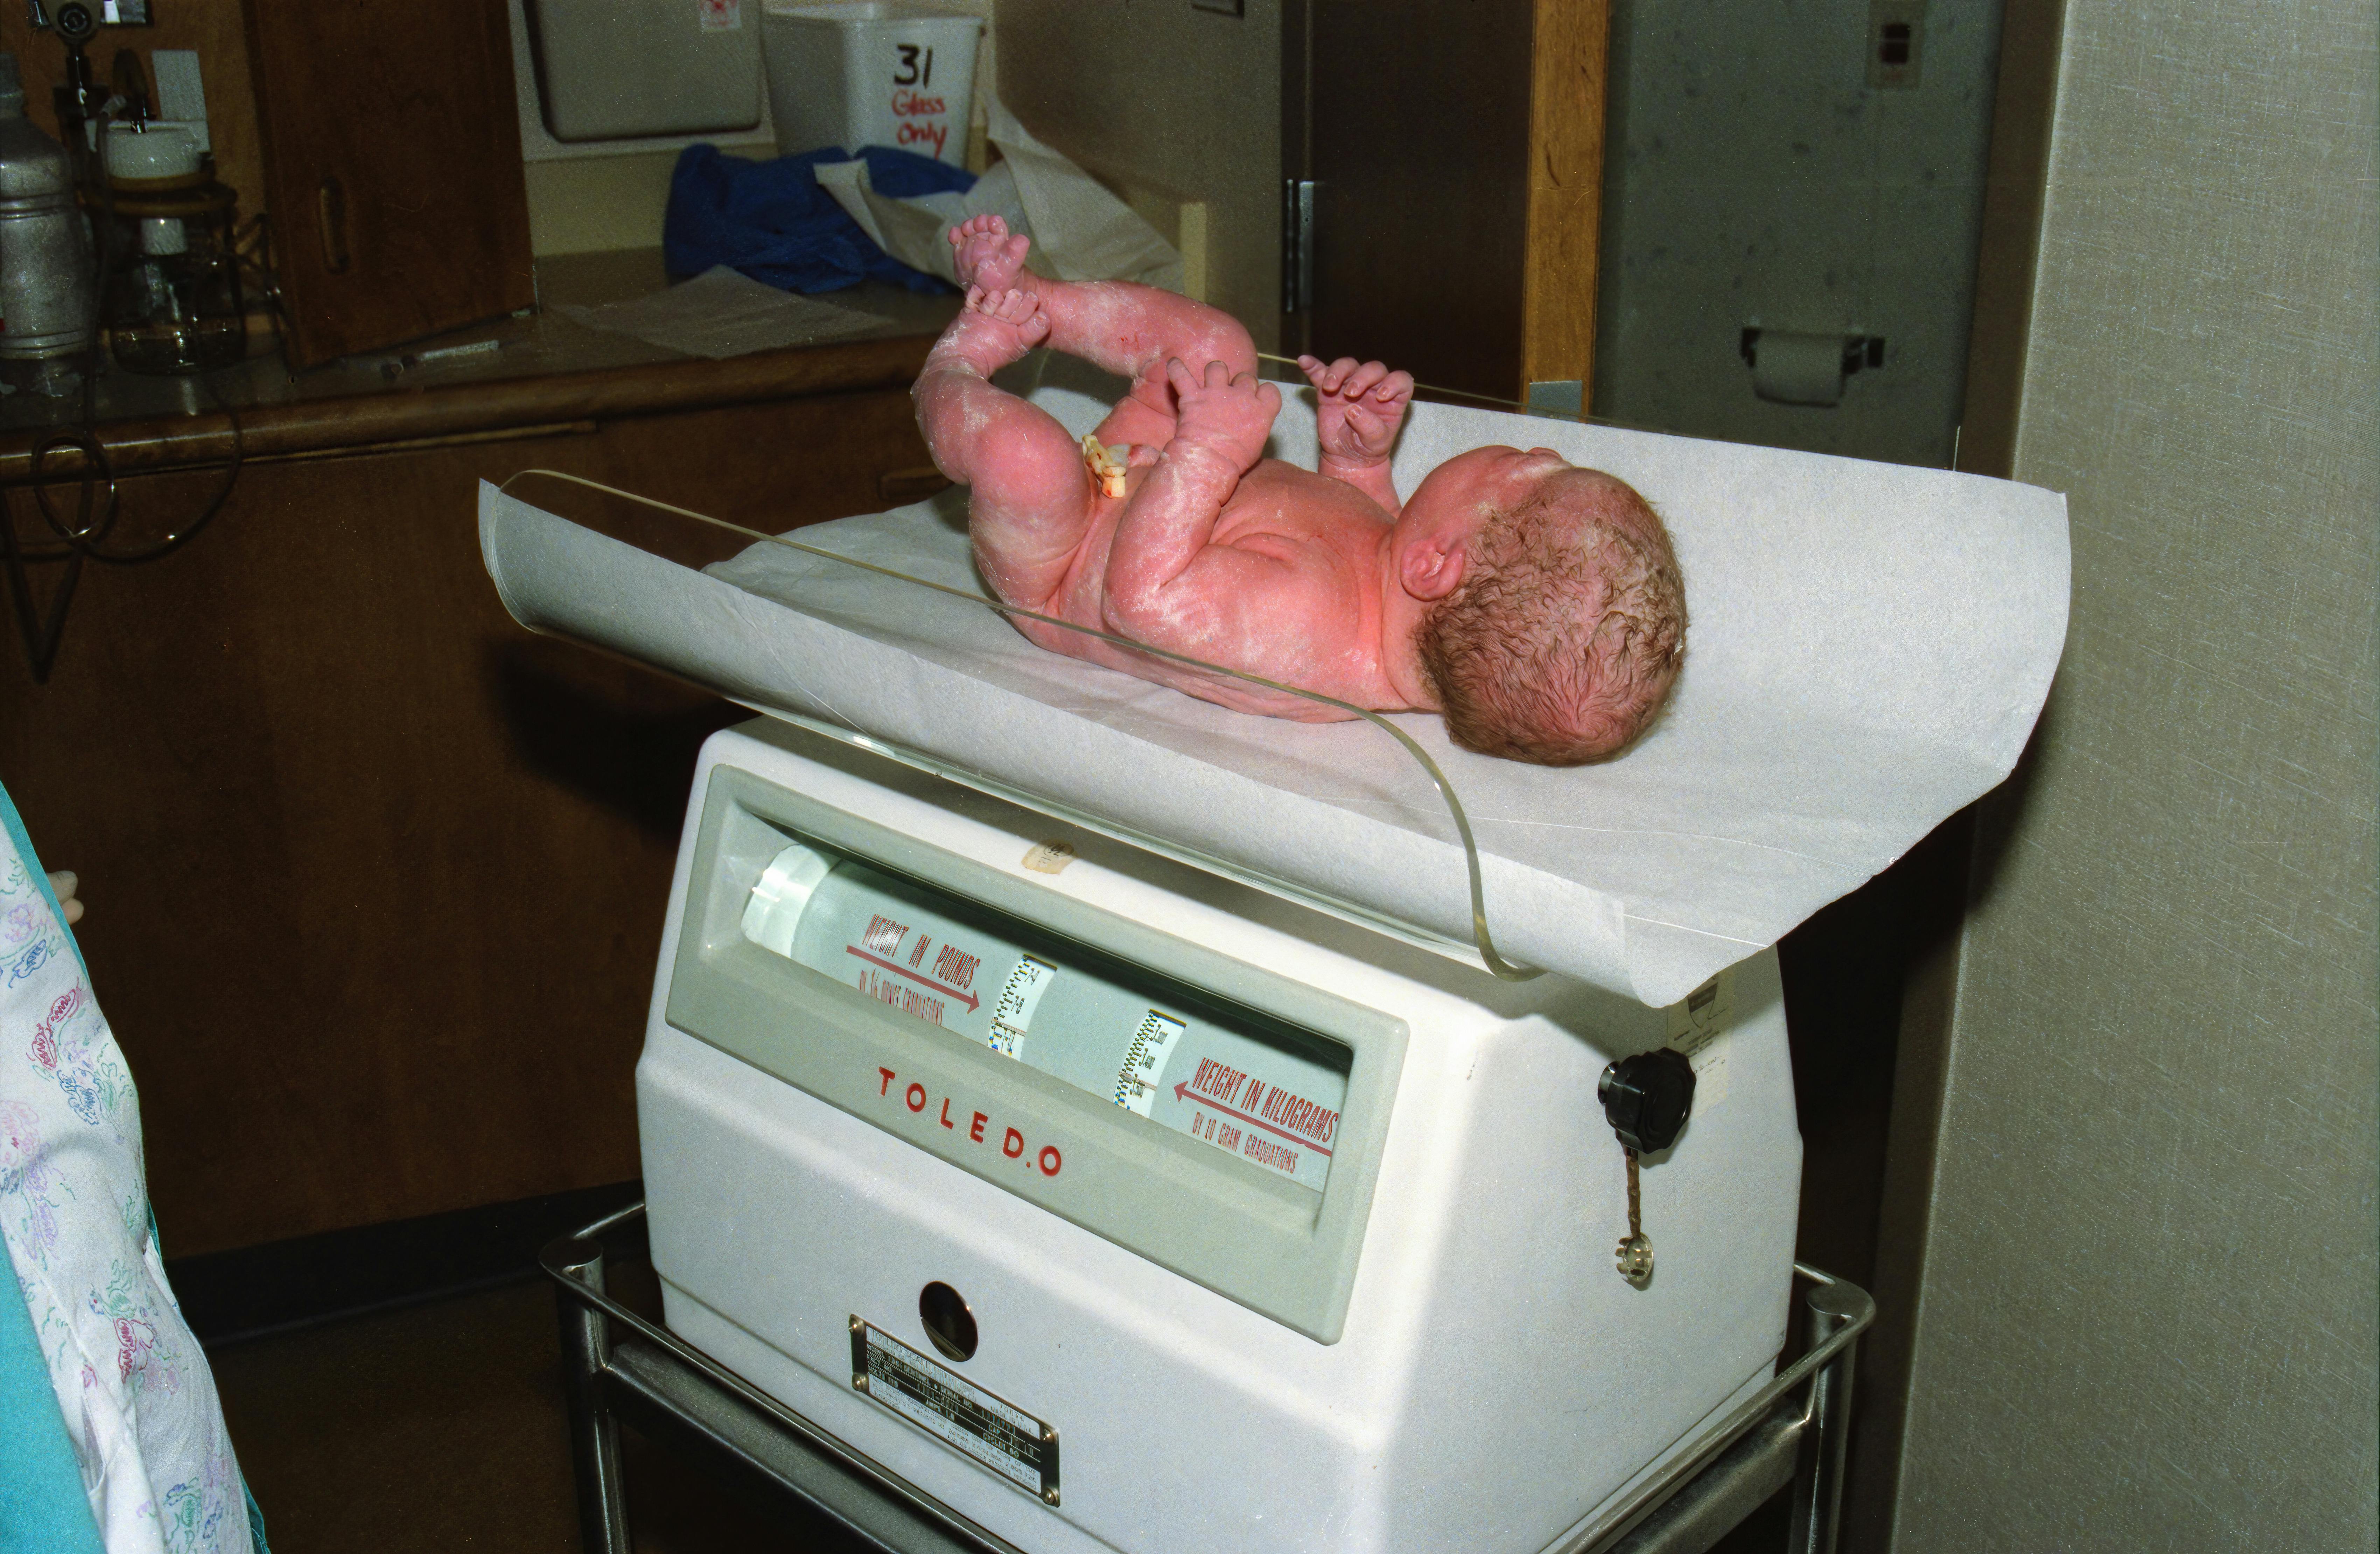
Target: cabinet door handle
{"points": [[331, 198]]}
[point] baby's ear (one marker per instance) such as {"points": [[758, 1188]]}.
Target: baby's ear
{"points": [[1430, 571]]}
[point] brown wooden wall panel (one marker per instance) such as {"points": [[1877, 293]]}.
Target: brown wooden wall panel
{"points": [[375, 877], [1569, 51]]}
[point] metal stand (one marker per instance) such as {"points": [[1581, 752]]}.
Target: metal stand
{"points": [[620, 1365]]}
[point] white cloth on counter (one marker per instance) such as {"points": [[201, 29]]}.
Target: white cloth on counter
{"points": [[1870, 645]]}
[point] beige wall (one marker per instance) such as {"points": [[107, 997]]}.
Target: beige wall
{"points": [[2148, 1317], [1166, 104], [594, 203]]}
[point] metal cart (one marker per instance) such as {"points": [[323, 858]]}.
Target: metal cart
{"points": [[622, 1367]]}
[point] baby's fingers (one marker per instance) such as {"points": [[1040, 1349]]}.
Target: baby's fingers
{"points": [[1332, 379], [1395, 387], [1364, 379]]}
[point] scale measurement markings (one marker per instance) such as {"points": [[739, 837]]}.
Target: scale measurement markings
{"points": [[1321, 1119], [956, 995], [1010, 1442]]}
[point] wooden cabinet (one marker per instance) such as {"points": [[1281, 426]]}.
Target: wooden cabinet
{"points": [[375, 877], [392, 167]]}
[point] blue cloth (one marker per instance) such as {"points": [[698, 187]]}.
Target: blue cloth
{"points": [[771, 221]]}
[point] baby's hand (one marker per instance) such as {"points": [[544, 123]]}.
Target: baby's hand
{"points": [[1230, 416], [1361, 407]]}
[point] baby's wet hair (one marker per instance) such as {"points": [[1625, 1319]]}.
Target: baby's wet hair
{"points": [[1561, 641]]}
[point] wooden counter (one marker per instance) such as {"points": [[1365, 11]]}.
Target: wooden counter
{"points": [[375, 877], [546, 368]]}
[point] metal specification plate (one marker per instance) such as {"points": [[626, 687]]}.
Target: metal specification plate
{"points": [[955, 1411]]}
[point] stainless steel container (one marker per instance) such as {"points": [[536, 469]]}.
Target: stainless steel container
{"points": [[45, 272]]}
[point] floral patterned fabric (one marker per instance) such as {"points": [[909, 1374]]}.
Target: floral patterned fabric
{"points": [[132, 1385]]}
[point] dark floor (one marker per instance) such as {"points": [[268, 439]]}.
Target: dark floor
{"points": [[439, 1428]]}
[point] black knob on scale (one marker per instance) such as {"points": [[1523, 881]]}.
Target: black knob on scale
{"points": [[1645, 1099]]}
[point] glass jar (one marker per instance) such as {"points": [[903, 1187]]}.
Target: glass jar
{"points": [[172, 302]]}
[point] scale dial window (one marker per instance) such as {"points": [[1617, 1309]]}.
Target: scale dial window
{"points": [[1265, 1093]]}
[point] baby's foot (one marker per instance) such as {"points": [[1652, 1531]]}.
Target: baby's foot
{"points": [[985, 255], [1017, 315]]}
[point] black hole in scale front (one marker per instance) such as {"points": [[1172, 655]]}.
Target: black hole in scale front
{"points": [[948, 1321]]}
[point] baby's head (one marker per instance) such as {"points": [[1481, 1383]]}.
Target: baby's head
{"points": [[1554, 617]]}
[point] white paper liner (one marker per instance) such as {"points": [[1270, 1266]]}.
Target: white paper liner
{"points": [[1870, 645]]}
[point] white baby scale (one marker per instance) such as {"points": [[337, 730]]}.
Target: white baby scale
{"points": [[1254, 1228], [1126, 1147]]}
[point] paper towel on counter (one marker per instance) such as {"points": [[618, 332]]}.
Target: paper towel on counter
{"points": [[1870, 645], [1080, 232], [723, 312]]}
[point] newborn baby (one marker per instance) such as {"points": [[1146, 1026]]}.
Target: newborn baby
{"points": [[1536, 604]]}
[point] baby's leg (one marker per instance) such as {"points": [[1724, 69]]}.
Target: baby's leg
{"points": [[1130, 330], [1029, 502], [1134, 330]]}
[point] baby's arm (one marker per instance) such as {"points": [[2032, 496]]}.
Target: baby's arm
{"points": [[1166, 529], [1360, 409]]}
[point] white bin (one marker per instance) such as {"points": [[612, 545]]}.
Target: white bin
{"points": [[875, 73]]}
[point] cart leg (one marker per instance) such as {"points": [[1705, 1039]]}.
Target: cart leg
{"points": [[594, 1434], [1818, 1475]]}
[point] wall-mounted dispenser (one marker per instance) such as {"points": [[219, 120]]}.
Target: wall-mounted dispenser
{"points": [[1791, 368]]}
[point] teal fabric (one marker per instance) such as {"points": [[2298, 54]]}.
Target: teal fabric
{"points": [[255, 1512], [42, 1507], [15, 824], [255, 1518]]}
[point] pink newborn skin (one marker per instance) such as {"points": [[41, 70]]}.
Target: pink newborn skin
{"points": [[1324, 580]]}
